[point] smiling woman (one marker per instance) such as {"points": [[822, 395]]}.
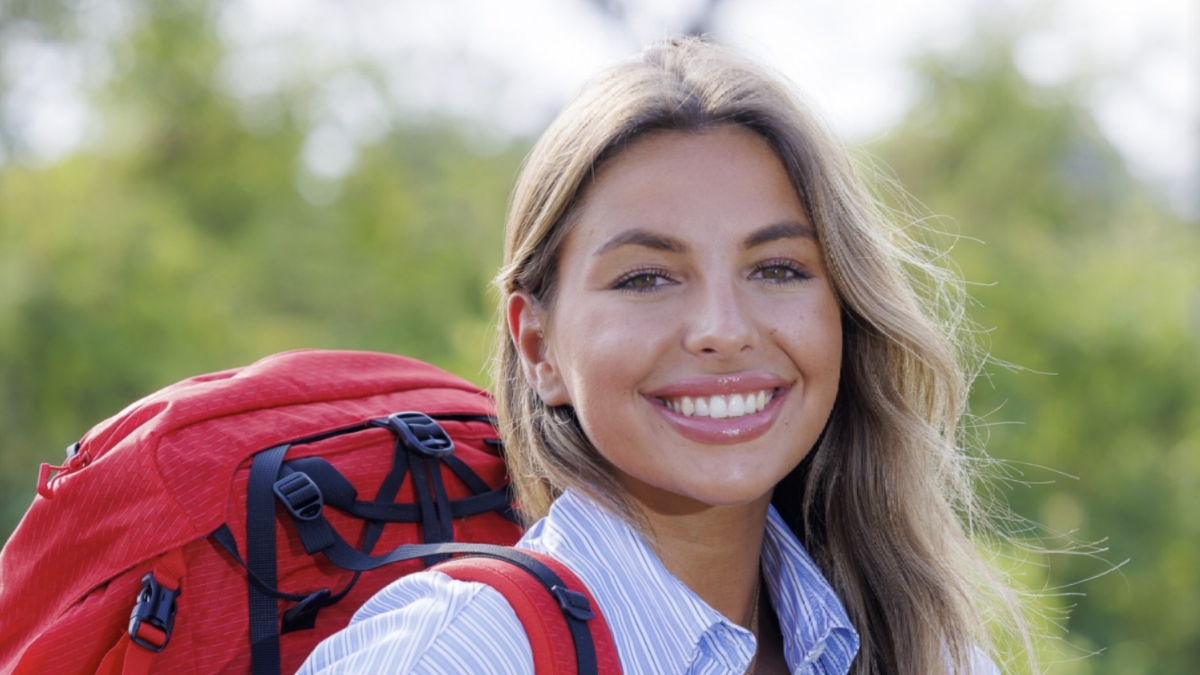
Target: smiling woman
{"points": [[690, 288], [724, 405]]}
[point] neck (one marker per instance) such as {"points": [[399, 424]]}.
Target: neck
{"points": [[714, 550]]}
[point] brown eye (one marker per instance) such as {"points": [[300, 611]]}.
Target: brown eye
{"points": [[649, 280], [780, 272], [643, 281]]}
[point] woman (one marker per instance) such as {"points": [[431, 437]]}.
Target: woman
{"points": [[714, 366]]}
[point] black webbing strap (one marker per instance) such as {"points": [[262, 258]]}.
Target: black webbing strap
{"points": [[260, 560], [431, 530], [387, 491], [341, 494], [224, 536], [441, 498], [419, 449], [479, 488], [466, 475]]}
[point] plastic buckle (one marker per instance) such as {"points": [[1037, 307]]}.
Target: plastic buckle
{"points": [[155, 609], [573, 603], [421, 433], [300, 495], [303, 615]]}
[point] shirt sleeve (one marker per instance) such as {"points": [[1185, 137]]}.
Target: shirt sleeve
{"points": [[428, 623]]}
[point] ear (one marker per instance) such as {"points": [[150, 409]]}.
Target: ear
{"points": [[526, 328]]}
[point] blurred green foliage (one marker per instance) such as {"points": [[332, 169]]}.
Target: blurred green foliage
{"points": [[1092, 289], [182, 244]]}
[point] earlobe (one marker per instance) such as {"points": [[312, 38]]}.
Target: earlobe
{"points": [[525, 328]]}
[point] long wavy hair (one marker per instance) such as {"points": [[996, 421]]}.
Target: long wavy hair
{"points": [[883, 501]]}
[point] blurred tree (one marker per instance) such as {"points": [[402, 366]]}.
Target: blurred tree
{"points": [[1090, 286], [23, 22], [183, 244]]}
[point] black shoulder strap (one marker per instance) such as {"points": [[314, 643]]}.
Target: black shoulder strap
{"points": [[260, 560]]}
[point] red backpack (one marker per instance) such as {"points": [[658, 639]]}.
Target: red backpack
{"points": [[227, 523]]}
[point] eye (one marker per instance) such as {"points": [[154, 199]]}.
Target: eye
{"points": [[780, 271], [642, 280]]}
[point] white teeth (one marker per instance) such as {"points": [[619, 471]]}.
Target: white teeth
{"points": [[717, 408], [737, 406], [751, 404], [686, 407], [721, 407]]}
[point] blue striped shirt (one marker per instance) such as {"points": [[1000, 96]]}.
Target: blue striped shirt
{"points": [[429, 623]]}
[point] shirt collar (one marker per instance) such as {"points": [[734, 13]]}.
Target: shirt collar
{"points": [[659, 624], [815, 627]]}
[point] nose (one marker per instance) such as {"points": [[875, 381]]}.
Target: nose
{"points": [[720, 322]]}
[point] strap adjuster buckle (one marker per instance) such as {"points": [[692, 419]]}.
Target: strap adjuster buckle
{"points": [[153, 617], [300, 495], [303, 615], [573, 603], [420, 432]]}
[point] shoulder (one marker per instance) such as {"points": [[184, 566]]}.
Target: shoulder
{"points": [[428, 623]]}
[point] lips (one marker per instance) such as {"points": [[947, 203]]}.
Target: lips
{"points": [[722, 410]]}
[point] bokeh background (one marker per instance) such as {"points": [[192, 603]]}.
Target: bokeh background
{"points": [[187, 186]]}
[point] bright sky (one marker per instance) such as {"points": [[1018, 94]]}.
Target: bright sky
{"points": [[513, 63]]}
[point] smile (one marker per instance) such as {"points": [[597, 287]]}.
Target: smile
{"points": [[720, 407]]}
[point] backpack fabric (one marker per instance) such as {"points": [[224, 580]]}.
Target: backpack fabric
{"points": [[228, 523]]}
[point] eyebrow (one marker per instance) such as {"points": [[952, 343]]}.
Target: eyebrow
{"points": [[638, 237], [645, 238], [791, 229]]}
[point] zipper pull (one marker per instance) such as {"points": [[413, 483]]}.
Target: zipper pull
{"points": [[75, 460]]}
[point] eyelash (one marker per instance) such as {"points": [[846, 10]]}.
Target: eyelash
{"points": [[790, 266]]}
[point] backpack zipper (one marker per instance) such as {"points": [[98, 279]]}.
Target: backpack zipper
{"points": [[76, 460]]}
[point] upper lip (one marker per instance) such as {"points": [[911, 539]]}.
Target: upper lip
{"points": [[720, 385]]}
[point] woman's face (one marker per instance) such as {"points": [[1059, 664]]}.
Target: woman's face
{"points": [[695, 330]]}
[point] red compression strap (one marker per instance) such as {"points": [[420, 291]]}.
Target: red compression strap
{"points": [[169, 572], [539, 612]]}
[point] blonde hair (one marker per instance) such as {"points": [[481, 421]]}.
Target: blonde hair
{"points": [[880, 501]]}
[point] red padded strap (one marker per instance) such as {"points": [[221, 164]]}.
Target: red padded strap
{"points": [[606, 650], [539, 612]]}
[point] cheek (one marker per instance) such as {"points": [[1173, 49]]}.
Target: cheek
{"points": [[605, 359], [608, 343], [815, 342], [832, 366], [607, 413], [832, 352], [833, 339]]}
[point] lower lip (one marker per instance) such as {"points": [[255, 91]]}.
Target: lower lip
{"points": [[728, 430]]}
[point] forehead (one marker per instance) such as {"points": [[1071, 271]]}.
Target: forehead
{"points": [[720, 183]]}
